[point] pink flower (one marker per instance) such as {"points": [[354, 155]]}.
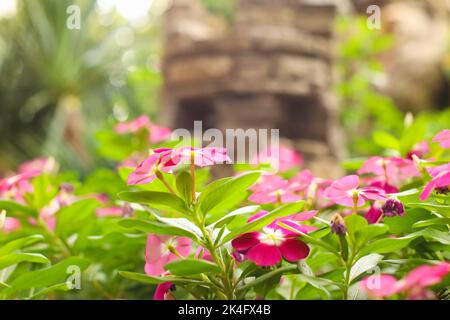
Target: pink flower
{"points": [[109, 212], [443, 138], [158, 134], [201, 157], [345, 191], [10, 225], [280, 158], [272, 189], [163, 291], [414, 284], [380, 285], [420, 149], [440, 181], [268, 247], [301, 181], [393, 170], [160, 250], [41, 165], [146, 171], [133, 126]]}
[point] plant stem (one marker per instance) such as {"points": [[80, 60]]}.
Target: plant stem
{"points": [[192, 169]]}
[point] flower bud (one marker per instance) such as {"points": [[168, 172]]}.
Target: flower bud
{"points": [[338, 225], [393, 207]]}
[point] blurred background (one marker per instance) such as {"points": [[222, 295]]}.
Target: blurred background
{"points": [[335, 84]]}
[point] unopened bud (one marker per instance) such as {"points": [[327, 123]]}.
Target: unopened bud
{"points": [[393, 207], [338, 225]]}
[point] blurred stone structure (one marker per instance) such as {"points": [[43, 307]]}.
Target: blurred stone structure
{"points": [[271, 68]]}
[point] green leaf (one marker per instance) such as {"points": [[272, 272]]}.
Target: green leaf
{"points": [[155, 199], [401, 225], [15, 258], [287, 209], [439, 208], [48, 276], [20, 243], [74, 218], [12, 207], [155, 228], [390, 244], [215, 195], [249, 210], [386, 140], [140, 277], [432, 222], [57, 287], [354, 223], [181, 223], [364, 264], [186, 267], [184, 186], [371, 231]]}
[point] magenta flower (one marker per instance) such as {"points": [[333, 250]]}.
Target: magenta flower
{"points": [[346, 192], [201, 157], [273, 243], [163, 291], [373, 214], [273, 189], [440, 181], [414, 284], [280, 158], [161, 249], [146, 171], [443, 138], [270, 246], [133, 126], [41, 165]]}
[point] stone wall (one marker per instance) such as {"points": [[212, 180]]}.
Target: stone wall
{"points": [[270, 69]]}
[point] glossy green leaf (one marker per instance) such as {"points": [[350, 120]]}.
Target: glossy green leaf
{"points": [[155, 199], [186, 267]]}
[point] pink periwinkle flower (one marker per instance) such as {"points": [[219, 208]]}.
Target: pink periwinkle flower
{"points": [[440, 181], [273, 243], [273, 189], [147, 170], [346, 191], [280, 158], [419, 150], [10, 224], [158, 134], [133, 126], [301, 181], [41, 165], [161, 249], [443, 138], [415, 283], [393, 170]]}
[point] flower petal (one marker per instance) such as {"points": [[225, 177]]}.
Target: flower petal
{"points": [[294, 249], [245, 241], [264, 255]]}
